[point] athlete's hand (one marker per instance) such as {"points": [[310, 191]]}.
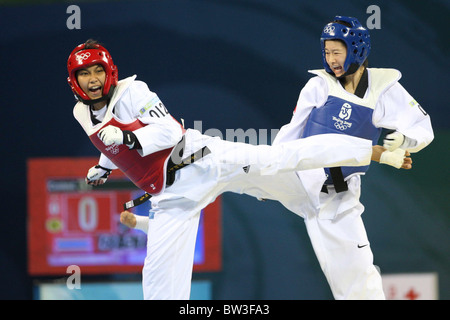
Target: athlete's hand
{"points": [[111, 135], [393, 140], [97, 175], [397, 158], [127, 218], [407, 161]]}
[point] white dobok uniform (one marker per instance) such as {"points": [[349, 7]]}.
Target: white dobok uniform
{"points": [[260, 171], [334, 221]]}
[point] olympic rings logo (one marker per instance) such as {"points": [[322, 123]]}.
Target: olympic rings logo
{"points": [[114, 149], [328, 29], [340, 126], [83, 56]]}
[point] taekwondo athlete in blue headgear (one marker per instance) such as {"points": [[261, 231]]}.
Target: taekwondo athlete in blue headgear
{"points": [[347, 97], [355, 37]]}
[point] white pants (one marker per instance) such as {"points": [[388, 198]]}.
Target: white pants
{"points": [[260, 171], [341, 245], [168, 265]]}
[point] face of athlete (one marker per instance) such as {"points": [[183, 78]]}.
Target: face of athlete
{"points": [[91, 80], [335, 54]]}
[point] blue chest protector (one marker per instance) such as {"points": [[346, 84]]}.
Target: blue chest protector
{"points": [[344, 113], [340, 116]]}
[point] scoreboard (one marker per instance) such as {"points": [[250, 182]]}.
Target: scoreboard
{"points": [[72, 223]]}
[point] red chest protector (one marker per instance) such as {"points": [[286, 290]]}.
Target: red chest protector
{"points": [[147, 173]]}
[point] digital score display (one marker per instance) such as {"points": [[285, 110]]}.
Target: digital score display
{"points": [[72, 223]]}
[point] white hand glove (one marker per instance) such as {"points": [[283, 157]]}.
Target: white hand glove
{"points": [[394, 158], [393, 141], [111, 135], [97, 173]]}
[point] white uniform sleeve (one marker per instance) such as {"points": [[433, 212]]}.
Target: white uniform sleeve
{"points": [[160, 134], [106, 163], [397, 110], [312, 95], [162, 130]]}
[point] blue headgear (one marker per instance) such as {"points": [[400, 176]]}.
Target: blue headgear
{"points": [[355, 37]]}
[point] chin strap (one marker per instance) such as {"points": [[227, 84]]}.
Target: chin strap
{"points": [[351, 70]]}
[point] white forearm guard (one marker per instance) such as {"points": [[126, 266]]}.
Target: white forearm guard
{"points": [[141, 223]]}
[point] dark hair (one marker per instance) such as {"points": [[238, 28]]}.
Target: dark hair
{"points": [[91, 44]]}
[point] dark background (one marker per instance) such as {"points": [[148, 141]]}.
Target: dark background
{"points": [[231, 64]]}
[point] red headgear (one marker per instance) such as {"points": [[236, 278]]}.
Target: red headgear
{"points": [[81, 58]]}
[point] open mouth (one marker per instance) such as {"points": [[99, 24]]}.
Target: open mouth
{"points": [[96, 90], [337, 68]]}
